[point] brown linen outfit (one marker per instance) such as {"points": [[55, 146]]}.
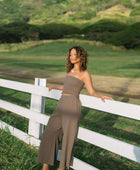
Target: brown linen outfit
{"points": [[63, 122]]}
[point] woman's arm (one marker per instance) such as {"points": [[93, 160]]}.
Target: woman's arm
{"points": [[89, 86], [60, 87]]}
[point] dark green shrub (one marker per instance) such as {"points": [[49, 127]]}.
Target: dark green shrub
{"points": [[105, 26], [18, 32], [21, 31], [98, 36], [55, 31], [6, 36], [102, 30], [130, 37]]}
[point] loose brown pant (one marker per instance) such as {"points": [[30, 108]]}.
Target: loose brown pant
{"points": [[64, 122]]}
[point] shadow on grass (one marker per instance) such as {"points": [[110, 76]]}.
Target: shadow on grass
{"points": [[15, 97], [103, 123], [101, 158], [36, 64]]}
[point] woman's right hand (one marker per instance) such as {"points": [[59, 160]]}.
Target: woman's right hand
{"points": [[60, 87], [50, 87]]}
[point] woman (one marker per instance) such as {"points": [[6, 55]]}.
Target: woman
{"points": [[64, 121]]}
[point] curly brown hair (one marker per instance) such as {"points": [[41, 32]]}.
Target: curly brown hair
{"points": [[82, 53]]}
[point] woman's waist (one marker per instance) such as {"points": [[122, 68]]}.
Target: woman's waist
{"points": [[70, 94], [70, 98], [65, 97], [73, 92]]}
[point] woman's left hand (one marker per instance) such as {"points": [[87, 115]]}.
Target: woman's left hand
{"points": [[106, 97]]}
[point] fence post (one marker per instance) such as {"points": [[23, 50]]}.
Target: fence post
{"points": [[37, 104]]}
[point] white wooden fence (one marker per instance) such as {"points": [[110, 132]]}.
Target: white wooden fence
{"points": [[36, 118]]}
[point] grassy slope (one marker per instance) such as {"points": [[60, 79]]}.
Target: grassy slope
{"points": [[102, 61], [69, 12], [75, 11]]}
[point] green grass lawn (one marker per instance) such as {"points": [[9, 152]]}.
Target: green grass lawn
{"points": [[51, 58], [16, 155], [111, 125]]}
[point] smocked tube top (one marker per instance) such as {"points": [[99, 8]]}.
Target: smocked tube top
{"points": [[72, 86], [75, 77]]}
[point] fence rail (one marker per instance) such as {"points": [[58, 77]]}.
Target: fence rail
{"points": [[36, 117]]}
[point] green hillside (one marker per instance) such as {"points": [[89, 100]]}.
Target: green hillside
{"points": [[65, 11], [108, 21]]}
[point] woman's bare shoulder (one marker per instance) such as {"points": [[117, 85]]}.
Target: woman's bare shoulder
{"points": [[85, 73]]}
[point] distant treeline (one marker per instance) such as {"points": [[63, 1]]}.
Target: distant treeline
{"points": [[107, 31]]}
